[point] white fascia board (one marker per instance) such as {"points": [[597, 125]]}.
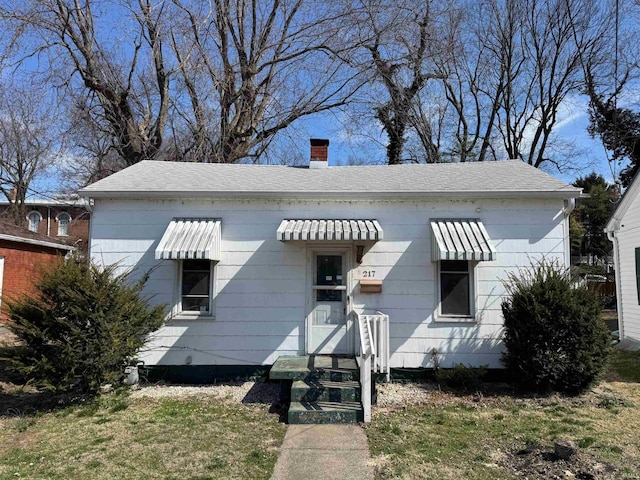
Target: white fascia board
{"points": [[352, 195], [625, 203], [77, 203], [40, 243]]}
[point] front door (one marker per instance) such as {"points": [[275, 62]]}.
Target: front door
{"points": [[328, 325]]}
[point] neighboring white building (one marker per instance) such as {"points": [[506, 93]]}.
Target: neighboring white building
{"points": [[256, 262], [623, 230]]}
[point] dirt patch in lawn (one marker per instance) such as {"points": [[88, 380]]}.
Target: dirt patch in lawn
{"points": [[537, 461], [417, 428]]}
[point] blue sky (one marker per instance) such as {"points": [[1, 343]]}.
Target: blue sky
{"points": [[367, 143], [590, 155]]}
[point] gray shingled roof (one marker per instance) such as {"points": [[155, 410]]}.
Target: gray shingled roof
{"points": [[153, 179]]}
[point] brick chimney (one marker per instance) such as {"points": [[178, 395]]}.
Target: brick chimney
{"points": [[319, 153]]}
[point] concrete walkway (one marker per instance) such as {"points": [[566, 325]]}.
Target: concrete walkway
{"points": [[324, 452]]}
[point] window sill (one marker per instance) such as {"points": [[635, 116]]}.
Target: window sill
{"points": [[181, 317], [454, 319]]}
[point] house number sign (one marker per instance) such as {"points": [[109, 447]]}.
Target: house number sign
{"points": [[368, 273]]}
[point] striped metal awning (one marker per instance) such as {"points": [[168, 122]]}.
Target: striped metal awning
{"points": [[190, 239], [460, 239], [312, 229]]}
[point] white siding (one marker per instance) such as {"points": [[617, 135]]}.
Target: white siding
{"points": [[628, 240], [262, 283]]}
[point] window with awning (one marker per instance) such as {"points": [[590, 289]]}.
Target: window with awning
{"points": [[190, 239], [322, 229], [460, 239], [456, 244]]}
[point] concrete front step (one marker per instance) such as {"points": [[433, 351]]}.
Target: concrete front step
{"points": [[325, 412], [325, 390], [319, 367]]}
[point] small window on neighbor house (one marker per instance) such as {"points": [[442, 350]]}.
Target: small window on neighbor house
{"points": [[63, 220], [34, 219], [455, 288], [195, 287]]}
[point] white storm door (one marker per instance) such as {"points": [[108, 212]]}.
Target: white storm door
{"points": [[328, 326]]}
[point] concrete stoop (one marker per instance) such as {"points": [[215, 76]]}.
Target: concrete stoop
{"points": [[324, 389]]}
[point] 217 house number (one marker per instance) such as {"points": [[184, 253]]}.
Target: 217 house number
{"points": [[368, 273]]}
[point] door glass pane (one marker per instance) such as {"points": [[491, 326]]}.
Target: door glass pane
{"points": [[329, 272]]}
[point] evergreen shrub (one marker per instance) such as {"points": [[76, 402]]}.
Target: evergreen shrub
{"points": [[81, 327], [553, 334]]}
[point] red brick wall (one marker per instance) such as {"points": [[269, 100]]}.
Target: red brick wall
{"points": [[78, 228], [23, 265]]}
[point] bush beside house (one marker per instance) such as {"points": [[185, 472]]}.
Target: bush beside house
{"points": [[81, 327], [554, 338]]}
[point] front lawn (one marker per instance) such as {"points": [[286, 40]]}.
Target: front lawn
{"points": [[495, 437], [141, 438]]}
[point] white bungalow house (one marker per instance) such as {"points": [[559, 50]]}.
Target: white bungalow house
{"points": [[623, 230], [258, 262]]}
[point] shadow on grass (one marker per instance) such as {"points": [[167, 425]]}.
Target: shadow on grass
{"points": [[18, 399], [266, 392]]}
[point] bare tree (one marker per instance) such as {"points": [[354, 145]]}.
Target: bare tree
{"points": [[91, 155], [27, 145], [611, 69], [251, 68], [125, 85], [400, 38], [514, 65], [186, 80], [473, 79], [543, 70]]}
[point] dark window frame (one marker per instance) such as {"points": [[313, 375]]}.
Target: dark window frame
{"points": [[208, 267], [451, 269]]}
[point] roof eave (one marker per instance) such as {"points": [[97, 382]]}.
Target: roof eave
{"points": [[624, 204], [334, 195], [40, 243]]}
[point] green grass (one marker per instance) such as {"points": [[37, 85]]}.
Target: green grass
{"points": [[454, 437], [624, 366], [117, 437]]}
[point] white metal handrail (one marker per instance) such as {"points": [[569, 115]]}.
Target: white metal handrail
{"points": [[372, 352]]}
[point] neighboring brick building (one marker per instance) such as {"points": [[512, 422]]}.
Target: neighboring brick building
{"points": [[23, 254], [66, 218]]}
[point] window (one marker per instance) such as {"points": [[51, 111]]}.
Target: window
{"points": [[63, 220], [34, 219], [456, 288], [196, 292]]}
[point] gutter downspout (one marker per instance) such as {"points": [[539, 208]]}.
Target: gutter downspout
{"points": [[569, 205], [88, 205], [611, 235]]}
